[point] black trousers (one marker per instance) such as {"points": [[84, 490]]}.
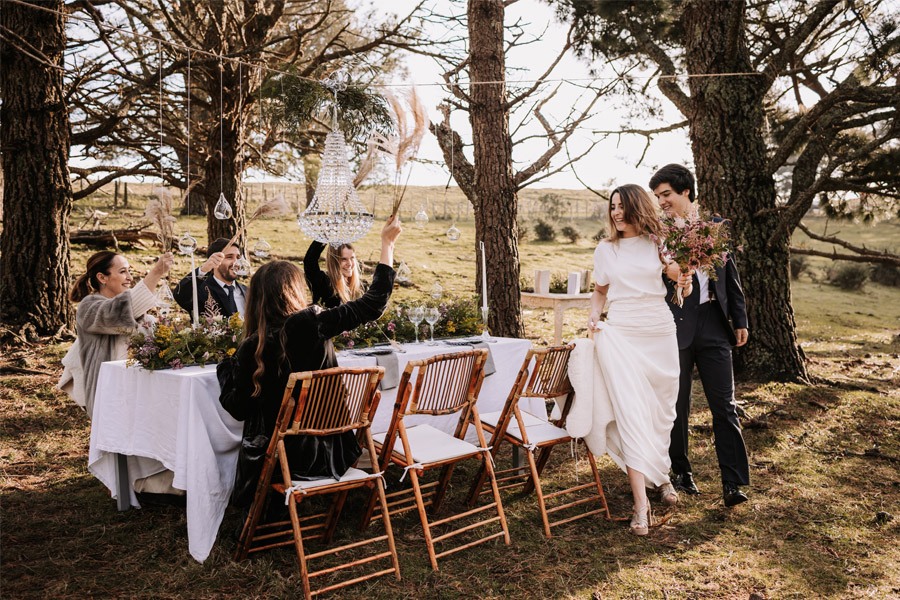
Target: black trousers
{"points": [[710, 351]]}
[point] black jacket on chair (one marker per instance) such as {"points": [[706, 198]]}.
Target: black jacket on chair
{"points": [[206, 287], [307, 337]]}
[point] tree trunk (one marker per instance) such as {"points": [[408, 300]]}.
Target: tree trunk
{"points": [[494, 200], [37, 193], [727, 138]]}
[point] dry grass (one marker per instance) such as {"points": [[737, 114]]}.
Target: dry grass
{"points": [[824, 462]]}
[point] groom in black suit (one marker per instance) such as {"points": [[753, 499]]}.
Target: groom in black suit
{"points": [[711, 320], [215, 278]]}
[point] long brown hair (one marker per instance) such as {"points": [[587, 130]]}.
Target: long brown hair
{"points": [[333, 264], [100, 262], [638, 209], [277, 290]]}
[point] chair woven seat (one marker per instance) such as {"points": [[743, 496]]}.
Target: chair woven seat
{"points": [[441, 385], [544, 374], [321, 403]]}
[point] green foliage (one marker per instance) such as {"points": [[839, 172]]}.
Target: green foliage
{"points": [[559, 283], [850, 277], [570, 233], [173, 344], [544, 231], [522, 230], [799, 266], [460, 317], [553, 206], [888, 275], [359, 109]]}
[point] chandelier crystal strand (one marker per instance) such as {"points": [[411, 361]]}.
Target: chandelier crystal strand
{"points": [[336, 215]]}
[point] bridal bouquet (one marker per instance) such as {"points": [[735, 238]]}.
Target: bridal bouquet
{"points": [[173, 343], [694, 244]]}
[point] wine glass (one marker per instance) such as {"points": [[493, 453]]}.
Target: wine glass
{"points": [[416, 316], [432, 316]]}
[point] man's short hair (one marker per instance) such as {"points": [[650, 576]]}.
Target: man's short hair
{"points": [[677, 176], [216, 246]]}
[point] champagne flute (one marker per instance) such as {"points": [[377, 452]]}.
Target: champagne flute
{"points": [[416, 315], [432, 316]]}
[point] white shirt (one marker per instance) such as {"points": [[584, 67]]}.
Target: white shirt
{"points": [[703, 282]]}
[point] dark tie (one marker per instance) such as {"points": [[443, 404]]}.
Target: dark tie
{"points": [[230, 306]]}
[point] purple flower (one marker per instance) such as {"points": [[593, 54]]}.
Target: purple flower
{"points": [[392, 327], [350, 344], [175, 363]]}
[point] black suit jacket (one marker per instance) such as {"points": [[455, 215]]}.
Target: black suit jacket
{"points": [[729, 303], [206, 286]]}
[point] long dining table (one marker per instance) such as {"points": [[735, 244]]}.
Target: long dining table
{"points": [[148, 421]]}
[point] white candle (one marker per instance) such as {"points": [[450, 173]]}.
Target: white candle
{"points": [[484, 303], [196, 311]]}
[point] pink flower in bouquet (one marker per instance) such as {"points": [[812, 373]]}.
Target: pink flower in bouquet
{"points": [[695, 244]]}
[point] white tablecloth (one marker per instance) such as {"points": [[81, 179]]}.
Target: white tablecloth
{"points": [[173, 419]]}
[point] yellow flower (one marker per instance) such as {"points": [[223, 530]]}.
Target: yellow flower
{"points": [[230, 351], [163, 333], [162, 353], [451, 326], [235, 321]]}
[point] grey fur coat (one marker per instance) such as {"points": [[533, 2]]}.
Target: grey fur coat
{"points": [[103, 327]]}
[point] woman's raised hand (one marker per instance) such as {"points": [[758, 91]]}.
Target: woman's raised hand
{"points": [[391, 230], [389, 234], [159, 270]]}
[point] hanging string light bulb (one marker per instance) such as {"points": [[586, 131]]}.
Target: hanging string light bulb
{"points": [[336, 215], [222, 210]]}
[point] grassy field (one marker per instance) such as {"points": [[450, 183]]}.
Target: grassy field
{"points": [[822, 522]]}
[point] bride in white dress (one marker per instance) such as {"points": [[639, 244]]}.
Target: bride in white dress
{"points": [[636, 347]]}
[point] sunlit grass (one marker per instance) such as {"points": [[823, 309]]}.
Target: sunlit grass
{"points": [[824, 469]]}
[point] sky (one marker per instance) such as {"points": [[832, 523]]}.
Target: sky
{"points": [[612, 162]]}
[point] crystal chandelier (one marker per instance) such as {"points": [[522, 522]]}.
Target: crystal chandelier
{"points": [[335, 216]]}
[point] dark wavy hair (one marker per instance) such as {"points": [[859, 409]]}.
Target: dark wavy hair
{"points": [[87, 284], [277, 290], [679, 177]]}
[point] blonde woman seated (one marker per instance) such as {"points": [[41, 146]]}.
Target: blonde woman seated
{"points": [[636, 348], [341, 283]]}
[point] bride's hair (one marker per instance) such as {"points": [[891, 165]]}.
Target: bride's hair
{"points": [[639, 210]]}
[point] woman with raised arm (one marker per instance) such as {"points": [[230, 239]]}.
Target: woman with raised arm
{"points": [[340, 282], [109, 311], [283, 334]]}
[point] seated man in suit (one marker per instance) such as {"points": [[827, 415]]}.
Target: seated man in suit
{"points": [[215, 278], [711, 321]]}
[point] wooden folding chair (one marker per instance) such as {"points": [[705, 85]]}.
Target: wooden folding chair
{"points": [[530, 433], [441, 385], [320, 403]]}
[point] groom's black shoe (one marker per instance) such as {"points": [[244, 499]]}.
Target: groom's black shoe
{"points": [[732, 494], [684, 482]]}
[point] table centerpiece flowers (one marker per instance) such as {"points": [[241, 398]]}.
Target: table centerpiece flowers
{"points": [[172, 343]]}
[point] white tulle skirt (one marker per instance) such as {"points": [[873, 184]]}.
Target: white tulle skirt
{"points": [[637, 354]]}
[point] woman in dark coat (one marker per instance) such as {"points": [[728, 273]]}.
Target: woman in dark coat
{"points": [[284, 335]]}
